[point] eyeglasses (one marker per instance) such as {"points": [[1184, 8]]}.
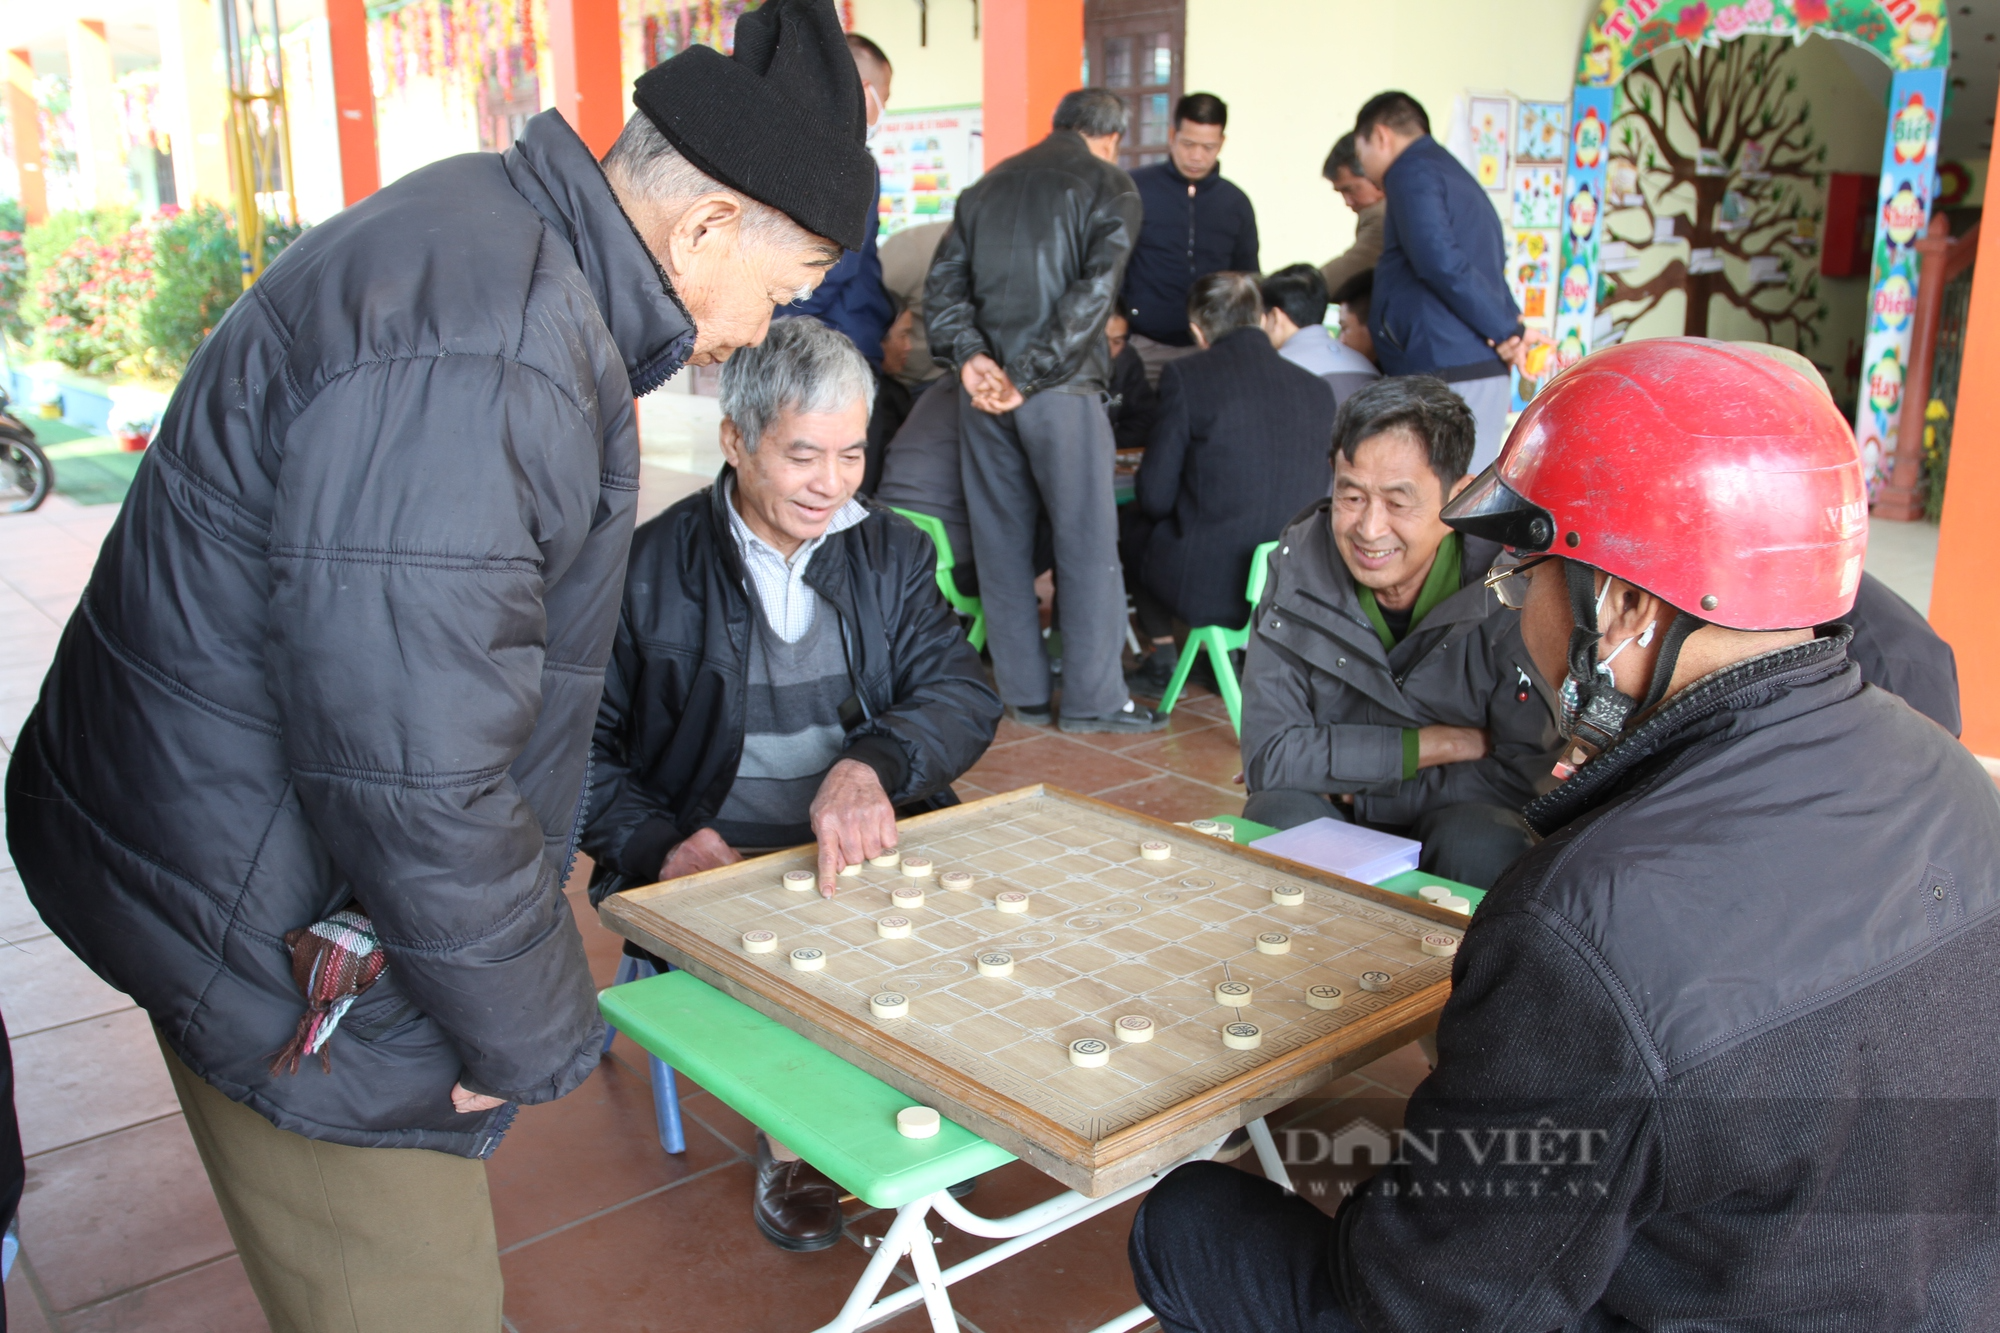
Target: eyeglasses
{"points": [[1500, 579]]}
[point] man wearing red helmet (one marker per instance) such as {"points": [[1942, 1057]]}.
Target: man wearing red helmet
{"points": [[1719, 1050]]}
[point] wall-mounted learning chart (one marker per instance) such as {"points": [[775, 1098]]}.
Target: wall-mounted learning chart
{"points": [[1095, 991], [927, 158], [1535, 219]]}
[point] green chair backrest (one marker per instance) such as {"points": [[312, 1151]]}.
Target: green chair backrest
{"points": [[934, 529], [1260, 569]]}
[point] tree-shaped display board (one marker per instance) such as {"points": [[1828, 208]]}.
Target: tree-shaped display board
{"points": [[1714, 190]]}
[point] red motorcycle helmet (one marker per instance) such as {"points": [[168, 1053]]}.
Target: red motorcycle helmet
{"points": [[1710, 475]]}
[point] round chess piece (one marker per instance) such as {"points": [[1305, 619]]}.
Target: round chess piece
{"points": [[996, 964], [1155, 850], [956, 880], [893, 927], [1288, 895], [889, 1004], [918, 867], [1089, 1053], [918, 1122], [760, 941], [907, 896], [1439, 945], [1232, 994], [808, 960], [886, 859], [1274, 941], [1375, 981], [1133, 1028], [801, 881], [1011, 900], [1324, 997], [1242, 1036]]}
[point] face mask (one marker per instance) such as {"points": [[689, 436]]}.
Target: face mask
{"points": [[875, 110]]}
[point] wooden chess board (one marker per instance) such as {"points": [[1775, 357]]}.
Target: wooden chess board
{"points": [[1108, 934]]}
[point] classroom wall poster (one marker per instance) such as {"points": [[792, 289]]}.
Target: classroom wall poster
{"points": [[1489, 120], [1540, 132], [927, 158], [1903, 210]]}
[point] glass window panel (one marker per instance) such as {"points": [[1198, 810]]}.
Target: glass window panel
{"points": [[1118, 62], [1153, 118], [1163, 61]]}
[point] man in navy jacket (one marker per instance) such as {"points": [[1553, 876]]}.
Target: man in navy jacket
{"points": [[1196, 223], [1441, 305], [853, 298]]}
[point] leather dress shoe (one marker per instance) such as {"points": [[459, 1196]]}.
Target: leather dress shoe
{"points": [[797, 1208]]}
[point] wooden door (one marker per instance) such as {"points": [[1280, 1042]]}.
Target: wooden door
{"points": [[1133, 48]]}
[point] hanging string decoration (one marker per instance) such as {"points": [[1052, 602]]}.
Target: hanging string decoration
{"points": [[464, 44]]}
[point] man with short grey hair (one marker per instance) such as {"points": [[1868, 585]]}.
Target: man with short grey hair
{"points": [[1016, 305], [785, 672]]}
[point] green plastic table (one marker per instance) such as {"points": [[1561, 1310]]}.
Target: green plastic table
{"points": [[843, 1120], [1407, 883]]}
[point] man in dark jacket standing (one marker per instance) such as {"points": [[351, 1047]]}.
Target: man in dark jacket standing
{"points": [[854, 299], [1196, 223], [1241, 436], [1440, 305], [1692, 1072], [1384, 682], [785, 672], [1016, 304], [327, 700]]}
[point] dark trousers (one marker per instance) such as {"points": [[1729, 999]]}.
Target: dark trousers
{"points": [[1469, 843], [1053, 453], [1217, 1250], [1155, 617]]}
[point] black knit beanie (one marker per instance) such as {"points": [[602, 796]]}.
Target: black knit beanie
{"points": [[783, 120]]}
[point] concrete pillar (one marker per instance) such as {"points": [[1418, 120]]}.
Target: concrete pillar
{"points": [[194, 96], [353, 99], [93, 109], [584, 55], [25, 130], [1033, 54], [1965, 609]]}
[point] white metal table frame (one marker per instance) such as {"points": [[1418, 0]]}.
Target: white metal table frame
{"points": [[911, 1235]]}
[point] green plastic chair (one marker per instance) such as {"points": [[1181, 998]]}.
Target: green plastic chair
{"points": [[1220, 643], [969, 607]]}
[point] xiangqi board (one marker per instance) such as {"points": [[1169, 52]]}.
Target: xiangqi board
{"points": [[1248, 997]]}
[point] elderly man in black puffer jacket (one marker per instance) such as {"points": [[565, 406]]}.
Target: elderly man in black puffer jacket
{"points": [[327, 699]]}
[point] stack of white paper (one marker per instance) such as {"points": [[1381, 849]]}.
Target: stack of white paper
{"points": [[1346, 849]]}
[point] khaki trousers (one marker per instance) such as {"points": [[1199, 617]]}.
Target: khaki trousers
{"points": [[339, 1239]]}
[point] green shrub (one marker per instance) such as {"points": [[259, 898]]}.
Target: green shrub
{"points": [[47, 241], [92, 297], [13, 270], [198, 274]]}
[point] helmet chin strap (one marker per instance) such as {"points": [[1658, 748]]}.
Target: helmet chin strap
{"points": [[1603, 711]]}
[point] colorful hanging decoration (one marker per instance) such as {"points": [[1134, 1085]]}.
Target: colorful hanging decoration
{"points": [[669, 27], [463, 43]]}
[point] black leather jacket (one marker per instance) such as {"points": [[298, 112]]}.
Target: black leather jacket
{"points": [[1027, 274], [670, 728]]}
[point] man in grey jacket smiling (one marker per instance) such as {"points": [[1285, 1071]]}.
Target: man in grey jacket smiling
{"points": [[327, 699], [1384, 683]]}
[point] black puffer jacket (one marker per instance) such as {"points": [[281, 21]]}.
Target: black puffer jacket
{"points": [[1725, 1039], [1032, 262], [670, 730], [347, 640]]}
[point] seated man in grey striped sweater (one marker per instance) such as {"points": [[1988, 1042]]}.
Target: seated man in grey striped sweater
{"points": [[785, 671]]}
